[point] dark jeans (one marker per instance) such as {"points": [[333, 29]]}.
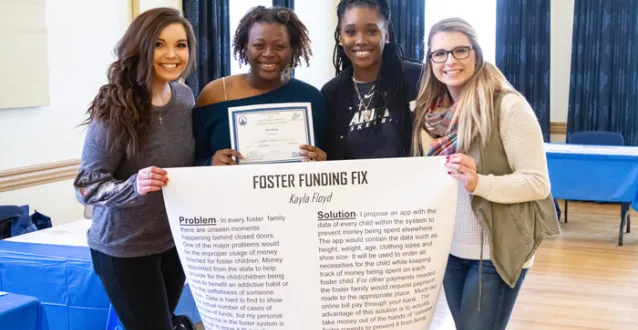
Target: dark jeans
{"points": [[461, 284], [144, 291]]}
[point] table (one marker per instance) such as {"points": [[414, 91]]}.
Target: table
{"points": [[21, 312], [54, 265], [595, 173]]}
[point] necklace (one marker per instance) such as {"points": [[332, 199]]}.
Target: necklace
{"points": [[161, 105], [159, 113], [362, 104]]}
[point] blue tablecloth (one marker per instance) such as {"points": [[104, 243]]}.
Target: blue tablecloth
{"points": [[62, 278], [19, 312], [594, 176]]}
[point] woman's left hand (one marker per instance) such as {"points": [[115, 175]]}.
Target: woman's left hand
{"points": [[463, 167], [313, 153]]}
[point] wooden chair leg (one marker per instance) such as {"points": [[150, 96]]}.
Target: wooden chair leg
{"points": [[624, 210], [625, 207]]}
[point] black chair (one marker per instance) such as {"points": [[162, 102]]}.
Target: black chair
{"points": [[603, 138], [8, 214]]}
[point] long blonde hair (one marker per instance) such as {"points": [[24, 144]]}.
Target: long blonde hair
{"points": [[475, 107]]}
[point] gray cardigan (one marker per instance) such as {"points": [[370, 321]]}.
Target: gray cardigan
{"points": [[126, 224]]}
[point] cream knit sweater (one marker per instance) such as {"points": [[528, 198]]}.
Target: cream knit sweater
{"points": [[523, 143]]}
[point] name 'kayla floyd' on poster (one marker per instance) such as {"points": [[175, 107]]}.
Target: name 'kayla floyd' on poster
{"points": [[316, 198]]}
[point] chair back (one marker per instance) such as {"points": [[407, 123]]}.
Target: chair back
{"points": [[602, 138]]}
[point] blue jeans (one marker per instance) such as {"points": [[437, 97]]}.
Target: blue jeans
{"points": [[461, 284]]}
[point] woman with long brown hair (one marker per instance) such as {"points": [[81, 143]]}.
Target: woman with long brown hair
{"points": [[468, 112], [139, 122]]}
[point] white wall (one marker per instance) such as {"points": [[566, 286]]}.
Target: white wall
{"points": [[320, 17], [149, 4], [562, 21], [23, 31], [81, 38], [56, 200], [480, 14]]}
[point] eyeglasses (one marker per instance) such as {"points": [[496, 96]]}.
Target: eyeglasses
{"points": [[459, 53]]}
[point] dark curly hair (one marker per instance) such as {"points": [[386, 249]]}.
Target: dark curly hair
{"points": [[391, 59], [299, 40], [124, 103]]}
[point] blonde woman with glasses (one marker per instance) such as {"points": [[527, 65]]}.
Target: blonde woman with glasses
{"points": [[492, 142]]}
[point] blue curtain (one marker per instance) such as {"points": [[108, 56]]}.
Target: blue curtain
{"points": [[408, 20], [603, 93], [523, 52], [210, 20], [284, 3]]}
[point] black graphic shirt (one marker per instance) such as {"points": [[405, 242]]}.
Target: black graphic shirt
{"points": [[369, 137]]}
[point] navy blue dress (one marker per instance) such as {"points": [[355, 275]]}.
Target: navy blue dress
{"points": [[212, 130]]}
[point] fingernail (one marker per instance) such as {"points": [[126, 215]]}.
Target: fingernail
{"points": [[449, 173]]}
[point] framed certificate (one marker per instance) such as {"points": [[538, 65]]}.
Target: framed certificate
{"points": [[271, 133]]}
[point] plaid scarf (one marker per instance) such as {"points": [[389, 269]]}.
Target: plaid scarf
{"points": [[438, 121]]}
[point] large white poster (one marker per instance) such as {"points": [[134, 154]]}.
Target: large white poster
{"points": [[315, 246]]}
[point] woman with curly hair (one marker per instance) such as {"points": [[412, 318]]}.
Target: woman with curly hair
{"points": [[139, 123], [272, 41], [368, 102]]}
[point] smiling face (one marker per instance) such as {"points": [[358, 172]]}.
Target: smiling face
{"points": [[268, 51], [363, 35], [459, 66], [171, 55]]}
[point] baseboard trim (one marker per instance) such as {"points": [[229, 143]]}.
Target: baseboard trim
{"points": [[40, 174], [558, 128]]}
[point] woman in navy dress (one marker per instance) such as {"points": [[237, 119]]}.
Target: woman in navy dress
{"points": [[272, 41]]}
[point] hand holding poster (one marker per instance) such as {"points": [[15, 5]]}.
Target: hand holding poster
{"points": [[316, 246]]}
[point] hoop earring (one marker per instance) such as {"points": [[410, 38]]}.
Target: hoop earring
{"points": [[287, 73]]}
